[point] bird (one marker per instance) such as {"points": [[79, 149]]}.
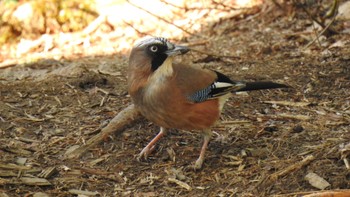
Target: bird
{"points": [[177, 95]]}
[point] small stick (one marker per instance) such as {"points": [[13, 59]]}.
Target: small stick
{"points": [[160, 18], [124, 118], [322, 32], [270, 179], [138, 31], [291, 168]]}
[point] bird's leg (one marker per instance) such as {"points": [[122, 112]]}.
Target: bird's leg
{"points": [[206, 136], [150, 146]]}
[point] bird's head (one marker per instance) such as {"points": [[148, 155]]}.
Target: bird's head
{"points": [[151, 53]]}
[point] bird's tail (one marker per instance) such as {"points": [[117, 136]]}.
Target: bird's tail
{"points": [[249, 86]]}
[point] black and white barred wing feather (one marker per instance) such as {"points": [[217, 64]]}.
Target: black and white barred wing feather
{"points": [[224, 85]]}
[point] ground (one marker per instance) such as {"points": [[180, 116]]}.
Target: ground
{"points": [[48, 107]]}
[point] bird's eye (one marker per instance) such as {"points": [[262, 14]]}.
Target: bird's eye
{"points": [[154, 48]]}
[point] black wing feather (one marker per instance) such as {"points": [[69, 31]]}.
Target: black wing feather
{"points": [[223, 85]]}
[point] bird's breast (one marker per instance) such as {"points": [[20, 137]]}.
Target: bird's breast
{"points": [[169, 108]]}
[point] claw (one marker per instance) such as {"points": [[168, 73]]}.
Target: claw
{"points": [[198, 164], [144, 153], [150, 146]]}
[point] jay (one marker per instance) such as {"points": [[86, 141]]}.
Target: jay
{"points": [[174, 95]]}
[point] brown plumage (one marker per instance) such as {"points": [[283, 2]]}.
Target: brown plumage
{"points": [[176, 95]]}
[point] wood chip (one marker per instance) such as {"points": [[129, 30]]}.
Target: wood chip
{"points": [[7, 173], [229, 122], [41, 194], [21, 161], [233, 163], [17, 150], [83, 192], [14, 167], [180, 183], [297, 116], [317, 181], [26, 140], [71, 149], [98, 160], [288, 103], [35, 181], [48, 172], [3, 194], [171, 153]]}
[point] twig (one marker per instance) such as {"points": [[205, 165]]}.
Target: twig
{"points": [[227, 6], [269, 180], [138, 31], [94, 24], [333, 10], [319, 22], [312, 17], [196, 8], [124, 118], [277, 4], [322, 32], [288, 103], [160, 18], [291, 168], [317, 35], [285, 116]]}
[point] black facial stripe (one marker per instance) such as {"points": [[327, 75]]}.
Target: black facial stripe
{"points": [[158, 60], [158, 57]]}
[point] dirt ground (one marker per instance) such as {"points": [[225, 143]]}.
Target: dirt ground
{"points": [[266, 143]]}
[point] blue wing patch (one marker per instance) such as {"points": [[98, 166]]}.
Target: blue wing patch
{"points": [[201, 95], [223, 85], [215, 90]]}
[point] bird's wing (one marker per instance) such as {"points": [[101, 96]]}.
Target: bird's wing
{"points": [[222, 85], [198, 84]]}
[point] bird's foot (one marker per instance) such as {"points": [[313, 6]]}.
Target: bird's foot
{"points": [[145, 152], [198, 164]]}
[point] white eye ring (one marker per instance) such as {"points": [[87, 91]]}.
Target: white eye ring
{"points": [[154, 48]]}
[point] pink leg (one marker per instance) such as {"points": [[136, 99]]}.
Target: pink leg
{"points": [[207, 135], [150, 146]]}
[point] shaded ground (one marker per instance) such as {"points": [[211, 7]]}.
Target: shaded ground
{"points": [[42, 116]]}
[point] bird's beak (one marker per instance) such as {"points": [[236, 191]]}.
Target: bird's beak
{"points": [[177, 50]]}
